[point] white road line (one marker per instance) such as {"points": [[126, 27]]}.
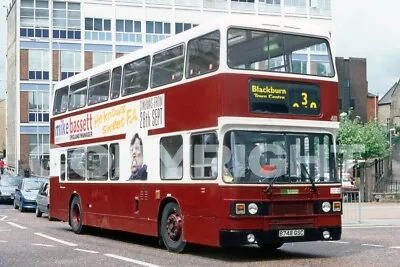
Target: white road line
{"points": [[372, 245], [339, 242], [131, 260], [88, 251], [4, 217], [42, 245], [3, 241], [395, 247], [17, 225], [57, 240]]}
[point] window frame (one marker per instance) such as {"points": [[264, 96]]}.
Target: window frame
{"points": [[161, 157], [89, 173], [112, 83], [191, 162], [89, 103], [72, 150], [114, 162], [86, 94], [123, 94], [61, 100]]}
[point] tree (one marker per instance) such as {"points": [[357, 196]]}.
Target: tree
{"points": [[363, 141]]}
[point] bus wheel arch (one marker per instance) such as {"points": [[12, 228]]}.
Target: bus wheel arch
{"points": [[170, 225], [75, 217]]}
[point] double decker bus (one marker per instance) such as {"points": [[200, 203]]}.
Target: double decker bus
{"points": [[222, 135]]}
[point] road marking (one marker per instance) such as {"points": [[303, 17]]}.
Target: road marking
{"points": [[339, 242], [42, 245], [131, 260], [4, 217], [57, 240], [395, 247], [372, 245], [17, 225], [3, 241], [88, 251]]}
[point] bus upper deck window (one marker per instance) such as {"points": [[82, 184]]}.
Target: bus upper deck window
{"points": [[60, 100]]}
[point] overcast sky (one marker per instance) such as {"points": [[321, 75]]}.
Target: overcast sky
{"points": [[360, 29]]}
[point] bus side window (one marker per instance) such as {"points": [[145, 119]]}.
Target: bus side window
{"points": [[167, 66], [136, 76], [99, 88], [62, 167], [76, 164], [203, 161], [171, 157], [97, 163], [114, 162], [116, 82], [77, 95], [60, 100], [203, 55]]}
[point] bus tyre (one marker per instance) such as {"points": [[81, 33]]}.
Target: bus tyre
{"points": [[171, 228], [75, 215], [270, 247]]}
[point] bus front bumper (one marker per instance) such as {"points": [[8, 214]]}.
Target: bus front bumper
{"points": [[243, 237]]}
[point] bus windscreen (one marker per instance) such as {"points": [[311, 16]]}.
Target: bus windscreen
{"points": [[279, 52]]}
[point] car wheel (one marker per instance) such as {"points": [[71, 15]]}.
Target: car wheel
{"points": [[75, 216], [171, 228], [15, 204], [271, 247], [38, 212], [21, 209]]}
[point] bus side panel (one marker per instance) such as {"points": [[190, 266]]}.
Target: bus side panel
{"points": [[58, 202]]}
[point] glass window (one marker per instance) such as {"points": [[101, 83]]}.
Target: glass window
{"points": [[120, 25], [38, 101], [203, 152], [116, 82], [178, 28], [62, 167], [167, 66], [138, 26], [77, 95], [107, 25], [159, 28], [128, 26], [136, 76], [171, 157], [76, 164], [70, 61], [60, 100], [149, 27], [97, 163], [98, 24], [100, 58], [99, 87], [89, 24], [114, 162], [274, 52], [38, 60], [203, 54]]}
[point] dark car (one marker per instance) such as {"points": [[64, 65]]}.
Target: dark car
{"points": [[42, 200], [8, 184], [25, 194]]}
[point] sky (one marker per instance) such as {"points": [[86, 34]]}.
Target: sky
{"points": [[360, 29]]}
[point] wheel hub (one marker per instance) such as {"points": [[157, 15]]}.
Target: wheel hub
{"points": [[174, 226]]}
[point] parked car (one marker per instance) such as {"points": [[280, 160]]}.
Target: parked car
{"points": [[25, 194], [8, 184], [43, 200]]}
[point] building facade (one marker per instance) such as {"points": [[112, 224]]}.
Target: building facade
{"points": [[353, 86], [389, 107], [51, 40]]}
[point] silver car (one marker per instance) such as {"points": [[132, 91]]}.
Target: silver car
{"points": [[43, 200], [8, 184]]}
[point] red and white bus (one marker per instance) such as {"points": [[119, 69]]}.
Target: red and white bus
{"points": [[222, 135]]}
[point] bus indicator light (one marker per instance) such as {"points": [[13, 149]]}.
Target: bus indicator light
{"points": [[240, 208], [157, 194]]}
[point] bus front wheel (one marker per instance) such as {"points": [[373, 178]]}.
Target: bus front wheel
{"points": [[171, 228], [75, 215]]}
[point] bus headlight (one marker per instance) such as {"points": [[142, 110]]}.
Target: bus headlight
{"points": [[252, 208], [326, 206]]}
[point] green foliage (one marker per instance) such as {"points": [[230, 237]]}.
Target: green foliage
{"points": [[370, 137]]}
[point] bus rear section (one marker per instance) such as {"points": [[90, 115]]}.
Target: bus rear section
{"points": [[279, 182]]}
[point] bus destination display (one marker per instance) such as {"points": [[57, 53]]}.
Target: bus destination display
{"points": [[284, 98]]}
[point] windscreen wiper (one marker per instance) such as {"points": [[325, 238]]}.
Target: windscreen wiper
{"points": [[309, 177], [269, 188]]}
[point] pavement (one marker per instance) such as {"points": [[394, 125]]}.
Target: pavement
{"points": [[371, 214]]}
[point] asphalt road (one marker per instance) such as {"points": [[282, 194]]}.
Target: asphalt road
{"points": [[29, 241]]}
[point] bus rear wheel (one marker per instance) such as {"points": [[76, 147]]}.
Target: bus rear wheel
{"points": [[75, 215], [171, 228]]}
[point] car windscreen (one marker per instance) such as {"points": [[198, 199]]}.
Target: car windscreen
{"points": [[32, 185]]}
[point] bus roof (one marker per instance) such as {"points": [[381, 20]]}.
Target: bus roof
{"points": [[246, 21]]}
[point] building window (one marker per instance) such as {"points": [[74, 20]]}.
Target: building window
{"points": [[157, 30], [299, 66], [34, 18], [38, 106], [203, 161], [70, 63], [38, 64], [129, 31], [97, 29], [320, 7], [180, 27], [66, 20], [171, 157], [39, 144], [100, 58]]}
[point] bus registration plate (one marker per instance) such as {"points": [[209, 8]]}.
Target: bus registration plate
{"points": [[290, 233]]}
